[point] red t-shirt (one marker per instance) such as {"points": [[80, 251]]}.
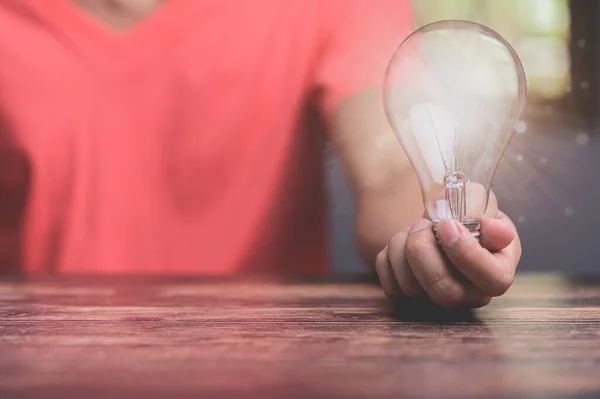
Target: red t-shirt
{"points": [[180, 145]]}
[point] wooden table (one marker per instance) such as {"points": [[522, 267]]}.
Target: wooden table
{"points": [[84, 337]]}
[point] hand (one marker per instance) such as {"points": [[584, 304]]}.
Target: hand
{"points": [[466, 273]]}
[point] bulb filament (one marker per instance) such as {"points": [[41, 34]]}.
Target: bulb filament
{"points": [[455, 180], [456, 191]]}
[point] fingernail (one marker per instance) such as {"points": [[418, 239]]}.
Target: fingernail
{"points": [[420, 224], [448, 231]]}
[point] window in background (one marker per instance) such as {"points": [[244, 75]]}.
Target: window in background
{"points": [[537, 29]]}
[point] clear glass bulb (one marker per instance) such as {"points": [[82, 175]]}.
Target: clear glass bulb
{"points": [[453, 92]]}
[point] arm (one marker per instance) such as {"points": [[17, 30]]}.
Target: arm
{"points": [[361, 38], [390, 231], [388, 198]]}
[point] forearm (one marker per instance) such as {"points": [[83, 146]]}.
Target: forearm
{"points": [[387, 193], [385, 211]]}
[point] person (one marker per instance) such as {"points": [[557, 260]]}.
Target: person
{"points": [[179, 136]]}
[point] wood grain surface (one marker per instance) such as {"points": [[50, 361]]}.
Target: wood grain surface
{"points": [[139, 337]]}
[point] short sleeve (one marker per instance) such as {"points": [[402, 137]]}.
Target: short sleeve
{"points": [[360, 37]]}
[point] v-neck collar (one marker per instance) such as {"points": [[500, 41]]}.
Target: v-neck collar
{"points": [[119, 48]]}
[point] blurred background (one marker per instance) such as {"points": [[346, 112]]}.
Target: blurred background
{"points": [[549, 178]]}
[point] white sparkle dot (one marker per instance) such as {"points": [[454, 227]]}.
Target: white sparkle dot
{"points": [[585, 85], [521, 219], [519, 158], [581, 42], [544, 161], [582, 138], [568, 211], [521, 127]]}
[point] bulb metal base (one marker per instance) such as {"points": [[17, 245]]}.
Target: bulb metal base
{"points": [[472, 225]]}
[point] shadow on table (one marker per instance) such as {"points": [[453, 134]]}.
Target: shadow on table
{"points": [[430, 313]]}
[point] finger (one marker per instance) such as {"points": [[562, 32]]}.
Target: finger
{"points": [[495, 234], [386, 277], [512, 253], [492, 207], [434, 274], [492, 274], [404, 275]]}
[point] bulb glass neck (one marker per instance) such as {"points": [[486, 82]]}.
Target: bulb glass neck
{"points": [[456, 194], [472, 225]]}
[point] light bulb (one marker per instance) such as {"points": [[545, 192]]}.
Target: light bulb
{"points": [[453, 92]]}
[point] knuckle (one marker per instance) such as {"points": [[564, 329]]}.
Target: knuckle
{"points": [[416, 247], [437, 281], [444, 294], [410, 286]]}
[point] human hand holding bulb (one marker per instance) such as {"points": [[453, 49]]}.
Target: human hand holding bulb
{"points": [[453, 93]]}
